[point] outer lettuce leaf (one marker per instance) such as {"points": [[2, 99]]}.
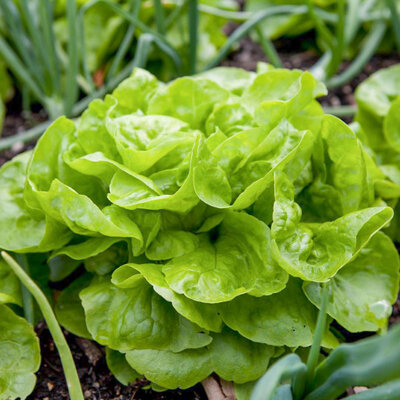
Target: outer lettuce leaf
{"points": [[233, 260], [100, 255], [66, 195], [19, 356], [317, 251], [120, 368], [206, 316], [276, 319], [136, 318], [229, 355], [362, 292], [25, 229], [10, 286]]}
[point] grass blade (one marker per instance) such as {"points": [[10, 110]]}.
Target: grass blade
{"points": [[71, 89]]}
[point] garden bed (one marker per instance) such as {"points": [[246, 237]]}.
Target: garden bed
{"points": [[97, 381]]}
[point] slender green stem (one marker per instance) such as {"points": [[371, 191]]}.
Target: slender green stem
{"points": [[143, 50], [47, 21], [395, 19], [16, 66], [268, 48], [341, 111], [123, 48], [71, 375], [320, 67], [247, 26], [193, 15], [21, 42], [37, 41], [320, 27], [175, 13], [373, 40], [352, 20], [27, 299], [313, 355], [160, 40], [338, 48], [242, 16], [71, 89], [159, 16], [26, 99]]}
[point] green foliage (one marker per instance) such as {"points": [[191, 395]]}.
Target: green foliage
{"points": [[369, 362], [378, 127], [208, 212], [19, 355]]}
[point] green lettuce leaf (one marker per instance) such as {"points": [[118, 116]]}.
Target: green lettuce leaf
{"points": [[10, 286], [229, 355], [275, 319], [233, 259], [361, 293], [120, 368], [27, 229], [136, 318], [317, 251], [206, 316], [19, 356]]}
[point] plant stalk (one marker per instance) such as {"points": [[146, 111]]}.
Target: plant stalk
{"points": [[71, 375], [313, 355]]}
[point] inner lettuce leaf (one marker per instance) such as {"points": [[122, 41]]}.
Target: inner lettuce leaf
{"points": [[198, 218], [317, 251], [231, 260]]}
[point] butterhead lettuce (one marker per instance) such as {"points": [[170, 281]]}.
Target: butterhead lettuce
{"points": [[207, 212]]}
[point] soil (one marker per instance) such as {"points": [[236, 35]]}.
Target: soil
{"points": [[97, 381]]}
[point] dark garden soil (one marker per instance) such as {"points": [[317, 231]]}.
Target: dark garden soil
{"points": [[97, 381]]}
